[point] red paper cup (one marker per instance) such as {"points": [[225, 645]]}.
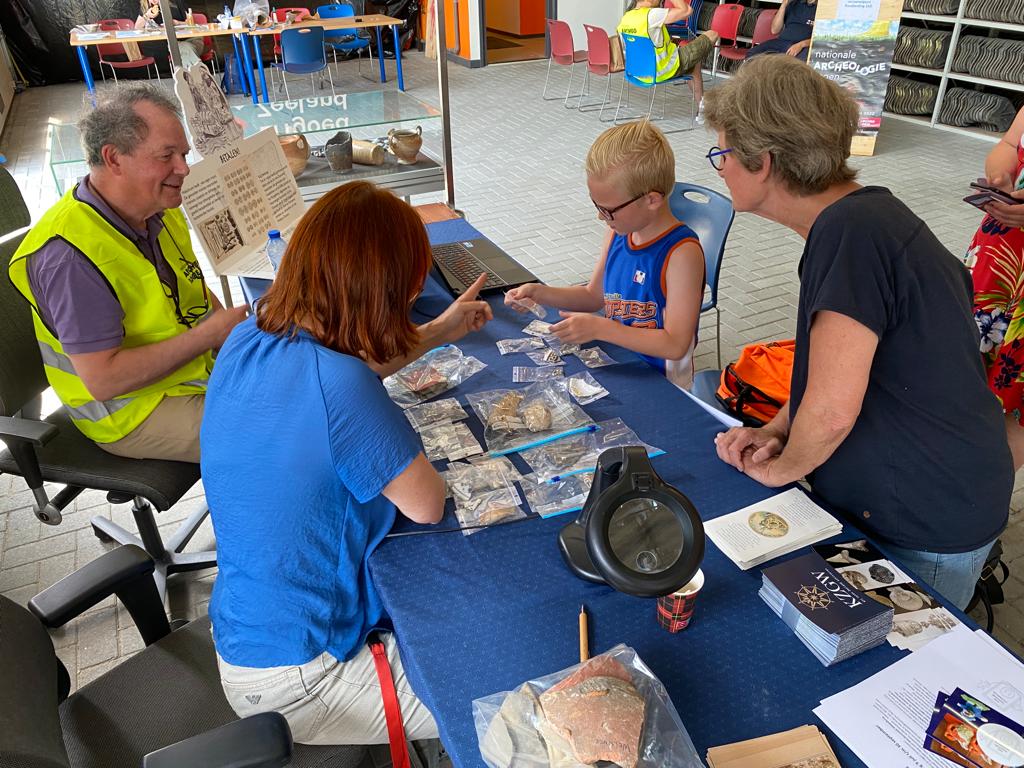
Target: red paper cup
{"points": [[675, 610]]}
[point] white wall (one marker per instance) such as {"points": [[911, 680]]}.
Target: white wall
{"points": [[598, 13]]}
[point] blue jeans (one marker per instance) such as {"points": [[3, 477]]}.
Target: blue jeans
{"points": [[951, 575]]}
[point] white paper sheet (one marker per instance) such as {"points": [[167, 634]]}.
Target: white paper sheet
{"points": [[884, 718], [725, 418]]}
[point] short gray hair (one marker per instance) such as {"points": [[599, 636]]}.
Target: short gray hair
{"points": [[779, 106], [115, 121]]}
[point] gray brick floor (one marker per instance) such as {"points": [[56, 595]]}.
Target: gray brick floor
{"points": [[518, 169]]}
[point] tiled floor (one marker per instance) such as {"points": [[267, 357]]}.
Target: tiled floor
{"points": [[519, 177]]}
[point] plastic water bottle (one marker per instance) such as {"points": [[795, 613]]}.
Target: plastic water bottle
{"points": [[275, 248]]}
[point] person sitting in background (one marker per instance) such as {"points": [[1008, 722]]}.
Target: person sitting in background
{"points": [[649, 279], [889, 416], [794, 24], [996, 261], [305, 460], [647, 18]]}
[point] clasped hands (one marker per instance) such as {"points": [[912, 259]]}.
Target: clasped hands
{"points": [[753, 451]]}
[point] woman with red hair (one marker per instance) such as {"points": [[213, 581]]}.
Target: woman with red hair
{"points": [[305, 460]]}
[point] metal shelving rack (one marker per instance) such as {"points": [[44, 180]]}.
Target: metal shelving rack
{"points": [[946, 75]]}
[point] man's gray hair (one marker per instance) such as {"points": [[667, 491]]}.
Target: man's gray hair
{"points": [[115, 121]]}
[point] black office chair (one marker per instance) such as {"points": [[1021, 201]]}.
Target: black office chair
{"points": [[53, 450], [13, 211], [162, 708]]}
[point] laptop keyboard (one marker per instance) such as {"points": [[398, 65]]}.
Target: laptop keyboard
{"points": [[465, 266]]}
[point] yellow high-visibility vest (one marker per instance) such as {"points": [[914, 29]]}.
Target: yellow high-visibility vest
{"points": [[150, 311], [667, 54]]}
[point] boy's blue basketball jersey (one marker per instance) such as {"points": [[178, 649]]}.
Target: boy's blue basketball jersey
{"points": [[634, 291]]}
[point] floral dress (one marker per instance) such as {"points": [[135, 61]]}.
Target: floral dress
{"points": [[996, 261]]}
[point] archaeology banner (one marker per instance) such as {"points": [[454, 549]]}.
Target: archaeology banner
{"points": [[853, 44]]}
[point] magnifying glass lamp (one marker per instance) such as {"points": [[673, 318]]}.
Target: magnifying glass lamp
{"points": [[635, 532]]}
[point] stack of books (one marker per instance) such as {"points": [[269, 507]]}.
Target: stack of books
{"points": [[771, 528], [831, 618]]}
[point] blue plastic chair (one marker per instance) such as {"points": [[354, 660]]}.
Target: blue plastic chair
{"points": [[302, 53], [710, 215], [688, 28], [642, 65], [345, 39]]}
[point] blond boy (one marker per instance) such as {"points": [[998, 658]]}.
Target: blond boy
{"points": [[650, 278]]}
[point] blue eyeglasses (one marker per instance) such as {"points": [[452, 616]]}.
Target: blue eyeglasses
{"points": [[716, 156]]}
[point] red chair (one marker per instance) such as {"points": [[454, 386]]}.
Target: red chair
{"points": [[726, 22], [108, 50], [563, 51], [209, 52], [281, 16], [599, 62], [762, 34]]}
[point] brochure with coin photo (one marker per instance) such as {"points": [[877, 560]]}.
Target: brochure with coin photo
{"points": [[770, 528]]}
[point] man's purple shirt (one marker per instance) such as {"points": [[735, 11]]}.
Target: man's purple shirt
{"points": [[74, 299]]}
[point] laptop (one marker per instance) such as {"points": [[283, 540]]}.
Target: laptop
{"points": [[460, 264]]}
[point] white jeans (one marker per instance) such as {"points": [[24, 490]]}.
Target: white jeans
{"points": [[326, 701]]}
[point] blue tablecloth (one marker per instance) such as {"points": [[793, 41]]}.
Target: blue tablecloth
{"points": [[483, 613]]}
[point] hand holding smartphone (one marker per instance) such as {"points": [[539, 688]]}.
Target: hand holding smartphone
{"points": [[987, 193]]}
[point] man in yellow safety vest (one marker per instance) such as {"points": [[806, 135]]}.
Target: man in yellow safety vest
{"points": [[647, 18], [125, 324]]}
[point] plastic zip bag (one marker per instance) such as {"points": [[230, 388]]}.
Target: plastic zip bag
{"points": [[579, 453], [538, 726], [585, 388], [464, 481], [490, 508], [595, 357], [561, 347], [435, 372], [550, 499], [508, 346], [521, 374], [515, 419], [546, 357], [528, 305], [449, 441], [538, 328], [426, 415]]}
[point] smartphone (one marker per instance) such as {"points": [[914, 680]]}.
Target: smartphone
{"points": [[994, 193]]}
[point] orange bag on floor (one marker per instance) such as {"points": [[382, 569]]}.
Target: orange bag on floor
{"points": [[756, 386]]}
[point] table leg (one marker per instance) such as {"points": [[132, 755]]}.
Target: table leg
{"points": [[83, 61], [238, 61], [398, 59], [259, 66], [380, 56], [247, 59]]}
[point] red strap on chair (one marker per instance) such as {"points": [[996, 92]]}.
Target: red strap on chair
{"points": [[392, 712]]}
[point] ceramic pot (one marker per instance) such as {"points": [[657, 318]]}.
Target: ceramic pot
{"points": [[367, 152], [338, 151], [296, 152], [405, 144]]}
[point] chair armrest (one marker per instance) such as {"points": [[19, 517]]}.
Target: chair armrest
{"points": [[258, 741], [126, 572], [26, 430]]}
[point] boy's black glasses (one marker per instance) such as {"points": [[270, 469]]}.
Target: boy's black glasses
{"points": [[716, 156], [608, 214]]}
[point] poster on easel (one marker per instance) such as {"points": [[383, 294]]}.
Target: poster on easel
{"points": [[241, 188], [853, 44]]}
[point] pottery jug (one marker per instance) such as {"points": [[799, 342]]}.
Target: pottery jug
{"points": [[405, 144], [296, 151]]}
